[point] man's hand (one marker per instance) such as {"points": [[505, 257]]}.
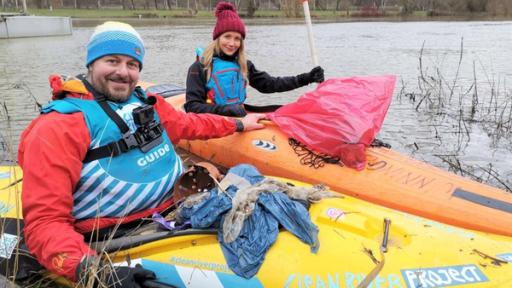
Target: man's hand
{"points": [[129, 277], [92, 271], [250, 121]]}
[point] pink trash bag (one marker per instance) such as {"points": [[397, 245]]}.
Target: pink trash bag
{"points": [[340, 118]]}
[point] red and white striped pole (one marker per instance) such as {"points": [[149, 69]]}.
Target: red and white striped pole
{"points": [[305, 5]]}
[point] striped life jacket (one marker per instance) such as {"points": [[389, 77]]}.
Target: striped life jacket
{"points": [[131, 182]]}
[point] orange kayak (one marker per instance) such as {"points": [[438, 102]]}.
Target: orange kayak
{"points": [[390, 179]]}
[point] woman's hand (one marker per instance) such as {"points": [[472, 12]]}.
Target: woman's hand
{"points": [[316, 75]]}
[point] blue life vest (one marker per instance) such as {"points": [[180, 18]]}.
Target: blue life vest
{"points": [[131, 182], [226, 82]]}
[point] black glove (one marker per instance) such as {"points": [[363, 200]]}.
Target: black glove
{"points": [[114, 277], [315, 75], [234, 110], [128, 277]]}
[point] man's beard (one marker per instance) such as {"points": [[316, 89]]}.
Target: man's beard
{"points": [[117, 97], [111, 94]]}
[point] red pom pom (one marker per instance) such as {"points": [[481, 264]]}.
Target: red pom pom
{"points": [[223, 6], [56, 85]]}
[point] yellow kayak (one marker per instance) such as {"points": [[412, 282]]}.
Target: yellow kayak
{"points": [[419, 252]]}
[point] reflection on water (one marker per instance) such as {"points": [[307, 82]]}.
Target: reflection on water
{"points": [[345, 49]]}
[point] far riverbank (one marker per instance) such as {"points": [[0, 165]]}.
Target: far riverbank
{"points": [[152, 17]]}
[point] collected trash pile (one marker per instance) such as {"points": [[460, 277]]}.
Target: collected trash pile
{"points": [[248, 209]]}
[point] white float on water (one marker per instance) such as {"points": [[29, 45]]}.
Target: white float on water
{"points": [[33, 26]]}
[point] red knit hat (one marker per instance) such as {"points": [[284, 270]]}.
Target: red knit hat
{"points": [[227, 20]]}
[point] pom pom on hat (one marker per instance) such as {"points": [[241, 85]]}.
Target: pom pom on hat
{"points": [[227, 20], [224, 6], [112, 38]]}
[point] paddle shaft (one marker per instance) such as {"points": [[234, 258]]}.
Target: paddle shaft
{"points": [[385, 237], [383, 249], [309, 26]]}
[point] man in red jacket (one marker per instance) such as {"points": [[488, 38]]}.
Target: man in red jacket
{"points": [[102, 154]]}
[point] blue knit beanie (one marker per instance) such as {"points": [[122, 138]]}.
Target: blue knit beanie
{"points": [[115, 38]]}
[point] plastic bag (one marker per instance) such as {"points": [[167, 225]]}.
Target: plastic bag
{"points": [[340, 118]]}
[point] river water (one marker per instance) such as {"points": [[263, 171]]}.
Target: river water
{"points": [[344, 49]]}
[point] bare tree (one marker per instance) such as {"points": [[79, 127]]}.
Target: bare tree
{"points": [[252, 7], [291, 8], [476, 5], [499, 7], [321, 4]]}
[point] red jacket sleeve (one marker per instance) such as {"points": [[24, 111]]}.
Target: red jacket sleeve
{"points": [[51, 152], [190, 126]]}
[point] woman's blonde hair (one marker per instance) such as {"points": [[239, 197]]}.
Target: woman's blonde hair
{"points": [[214, 49]]}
